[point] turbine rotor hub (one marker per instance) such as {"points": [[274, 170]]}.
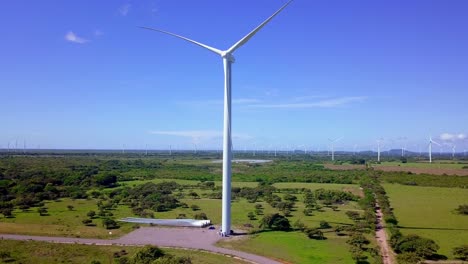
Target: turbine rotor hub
{"points": [[228, 56]]}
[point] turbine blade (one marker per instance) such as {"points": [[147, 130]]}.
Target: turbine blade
{"points": [[253, 32], [435, 143], [217, 51]]}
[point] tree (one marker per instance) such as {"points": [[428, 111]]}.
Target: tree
{"points": [[461, 252], [290, 197], [106, 180], [315, 233], [251, 216], [91, 214], [309, 199], [358, 240], [87, 222], [7, 212], [462, 209], [70, 207], [200, 216], [148, 254], [42, 211], [194, 195], [324, 225], [423, 247], [110, 223], [275, 222]]}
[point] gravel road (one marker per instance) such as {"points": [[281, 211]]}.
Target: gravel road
{"points": [[192, 238]]}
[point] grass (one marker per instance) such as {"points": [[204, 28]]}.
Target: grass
{"points": [[62, 222], [439, 164], [294, 247], [429, 212], [50, 253]]}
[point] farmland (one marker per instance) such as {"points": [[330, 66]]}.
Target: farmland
{"points": [[430, 212]]}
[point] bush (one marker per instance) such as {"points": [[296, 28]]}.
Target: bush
{"points": [[195, 207], [315, 233], [275, 222], [200, 216], [462, 209], [408, 258], [422, 247], [324, 225], [110, 223], [461, 252], [147, 255]]}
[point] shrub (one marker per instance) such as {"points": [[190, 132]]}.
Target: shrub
{"points": [[461, 252], [275, 222], [315, 233], [462, 209], [200, 216], [324, 225]]}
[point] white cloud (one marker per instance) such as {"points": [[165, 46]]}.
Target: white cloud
{"points": [[72, 37], [123, 10], [452, 137], [326, 103]]}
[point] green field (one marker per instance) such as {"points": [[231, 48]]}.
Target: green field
{"points": [[429, 212], [295, 247], [63, 222], [439, 164], [50, 253]]}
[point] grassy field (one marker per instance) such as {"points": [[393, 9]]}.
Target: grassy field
{"points": [[49, 253], [295, 247], [439, 164], [429, 212], [240, 208], [63, 222]]}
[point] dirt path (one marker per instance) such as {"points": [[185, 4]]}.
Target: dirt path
{"points": [[385, 250], [189, 238]]}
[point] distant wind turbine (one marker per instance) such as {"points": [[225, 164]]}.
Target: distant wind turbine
{"points": [[378, 149], [228, 59], [332, 145], [430, 148], [453, 151]]}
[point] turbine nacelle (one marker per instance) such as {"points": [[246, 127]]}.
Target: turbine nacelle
{"points": [[228, 56]]}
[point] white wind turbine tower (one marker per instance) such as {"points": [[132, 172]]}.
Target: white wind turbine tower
{"points": [[453, 151], [332, 145], [228, 59], [378, 149], [430, 148]]}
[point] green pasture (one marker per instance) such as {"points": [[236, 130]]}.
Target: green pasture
{"points": [[430, 212], [437, 164], [240, 209], [60, 221], [295, 247], [50, 253]]}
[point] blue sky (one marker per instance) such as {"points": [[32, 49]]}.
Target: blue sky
{"points": [[82, 75]]}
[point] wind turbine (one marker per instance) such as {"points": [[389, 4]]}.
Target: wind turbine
{"points": [[228, 59], [430, 148], [453, 151], [332, 145], [378, 149]]}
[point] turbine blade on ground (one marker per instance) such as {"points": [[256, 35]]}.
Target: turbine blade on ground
{"points": [[217, 51], [253, 32]]}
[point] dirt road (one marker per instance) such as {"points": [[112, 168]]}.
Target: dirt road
{"points": [[191, 238], [385, 250]]}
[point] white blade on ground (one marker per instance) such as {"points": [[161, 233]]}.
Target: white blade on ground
{"points": [[217, 51], [253, 32]]}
